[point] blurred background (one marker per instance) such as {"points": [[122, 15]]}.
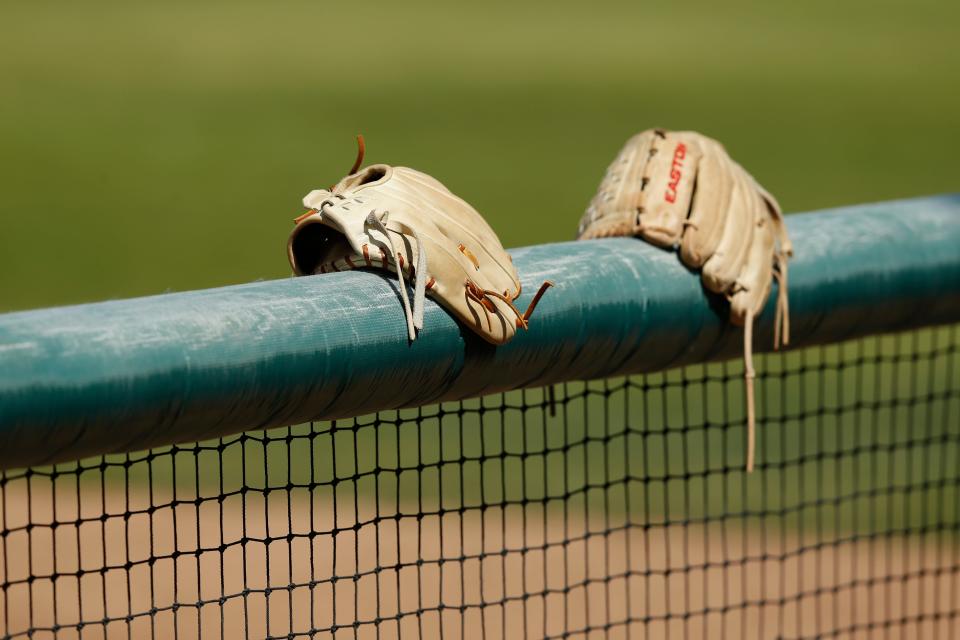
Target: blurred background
{"points": [[161, 146]]}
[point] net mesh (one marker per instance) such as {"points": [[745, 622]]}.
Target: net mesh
{"points": [[612, 508]]}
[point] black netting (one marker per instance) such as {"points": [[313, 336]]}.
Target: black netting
{"points": [[612, 508]]}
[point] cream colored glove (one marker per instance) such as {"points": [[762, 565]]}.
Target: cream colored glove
{"points": [[681, 190], [384, 216]]}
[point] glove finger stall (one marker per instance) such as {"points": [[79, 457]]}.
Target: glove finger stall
{"points": [[753, 285], [721, 270], [709, 209]]}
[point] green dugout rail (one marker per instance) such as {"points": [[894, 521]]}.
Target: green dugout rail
{"points": [[133, 374]]}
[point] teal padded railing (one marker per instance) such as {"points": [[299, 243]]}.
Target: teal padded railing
{"points": [[133, 374]]}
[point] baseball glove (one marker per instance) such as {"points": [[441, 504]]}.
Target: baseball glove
{"points": [[681, 190], [406, 222]]}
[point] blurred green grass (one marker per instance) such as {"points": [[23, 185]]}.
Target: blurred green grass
{"points": [[147, 147]]}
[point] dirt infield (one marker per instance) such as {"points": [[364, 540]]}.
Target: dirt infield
{"points": [[465, 573]]}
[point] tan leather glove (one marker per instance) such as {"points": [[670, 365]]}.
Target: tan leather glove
{"points": [[681, 190], [383, 216]]}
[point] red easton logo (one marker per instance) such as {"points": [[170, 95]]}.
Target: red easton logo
{"points": [[676, 172]]}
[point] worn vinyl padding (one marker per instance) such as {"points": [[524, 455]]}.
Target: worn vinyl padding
{"points": [[131, 374]]}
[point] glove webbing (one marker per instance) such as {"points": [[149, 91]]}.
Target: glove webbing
{"points": [[418, 276]]}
